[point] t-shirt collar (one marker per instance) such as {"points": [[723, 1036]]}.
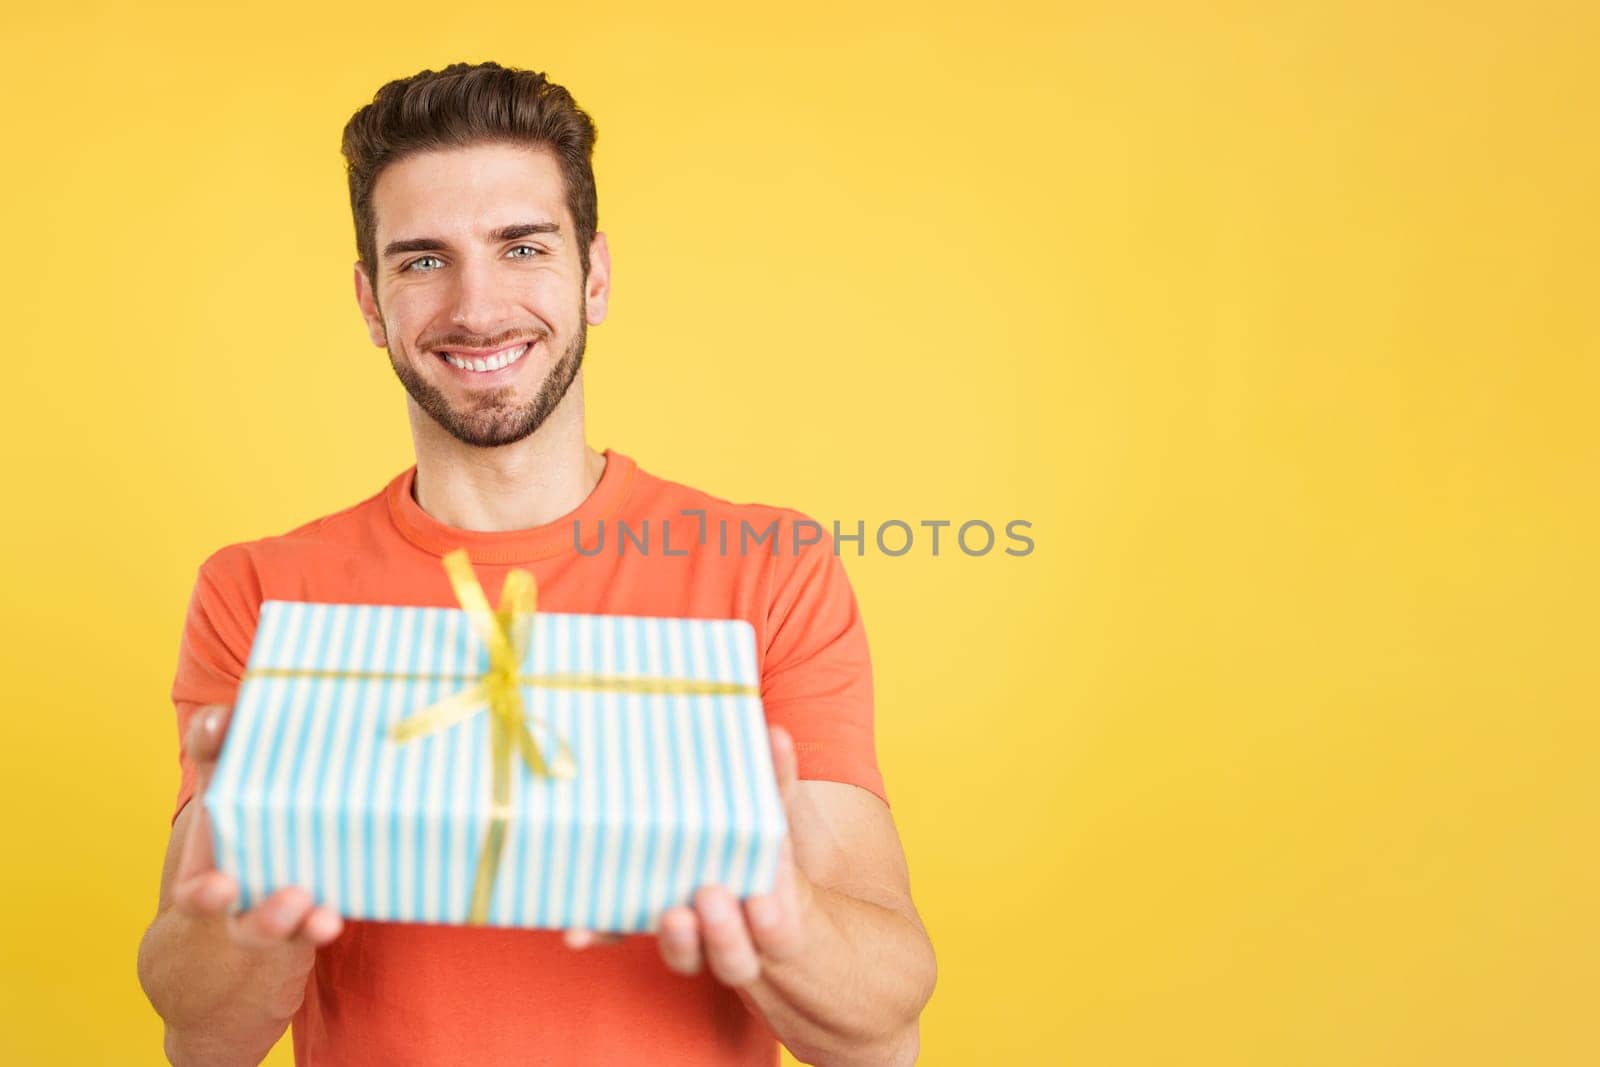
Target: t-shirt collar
{"points": [[511, 546]]}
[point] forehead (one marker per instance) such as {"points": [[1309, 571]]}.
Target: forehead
{"points": [[465, 191]]}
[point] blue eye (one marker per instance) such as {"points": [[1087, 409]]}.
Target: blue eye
{"points": [[413, 264]]}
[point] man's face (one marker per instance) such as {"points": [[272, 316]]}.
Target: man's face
{"points": [[478, 266]]}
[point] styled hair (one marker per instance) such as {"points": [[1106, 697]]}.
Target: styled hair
{"points": [[462, 105]]}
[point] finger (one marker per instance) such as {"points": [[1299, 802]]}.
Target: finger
{"points": [[321, 926], [728, 948], [680, 940], [206, 895], [579, 938], [785, 763], [274, 921], [197, 858], [775, 918], [203, 740]]}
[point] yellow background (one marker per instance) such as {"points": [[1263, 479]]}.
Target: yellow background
{"points": [[1275, 320]]}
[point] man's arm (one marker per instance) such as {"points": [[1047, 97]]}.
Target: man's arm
{"points": [[226, 986], [861, 965], [843, 966]]}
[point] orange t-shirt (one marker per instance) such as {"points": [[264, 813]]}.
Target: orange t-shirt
{"points": [[403, 993]]}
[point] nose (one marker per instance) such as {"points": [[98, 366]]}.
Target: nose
{"points": [[480, 304]]}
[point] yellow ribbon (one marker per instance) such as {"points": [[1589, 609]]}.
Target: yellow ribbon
{"points": [[503, 633]]}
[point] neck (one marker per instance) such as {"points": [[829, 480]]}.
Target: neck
{"points": [[512, 487]]}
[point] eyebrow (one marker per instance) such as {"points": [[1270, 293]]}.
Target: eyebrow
{"points": [[504, 233]]}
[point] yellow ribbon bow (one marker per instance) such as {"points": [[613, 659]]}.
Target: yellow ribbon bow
{"points": [[505, 633]]}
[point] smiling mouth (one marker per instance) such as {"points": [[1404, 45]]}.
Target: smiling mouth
{"points": [[483, 364]]}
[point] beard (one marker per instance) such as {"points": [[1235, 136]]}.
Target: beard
{"points": [[492, 420]]}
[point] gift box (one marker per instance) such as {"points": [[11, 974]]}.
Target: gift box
{"points": [[507, 768]]}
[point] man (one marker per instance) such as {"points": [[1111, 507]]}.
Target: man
{"points": [[480, 270]]}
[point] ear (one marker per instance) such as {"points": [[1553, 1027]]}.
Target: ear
{"points": [[597, 291], [367, 300]]}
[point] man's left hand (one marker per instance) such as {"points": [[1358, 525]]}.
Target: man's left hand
{"points": [[736, 939]]}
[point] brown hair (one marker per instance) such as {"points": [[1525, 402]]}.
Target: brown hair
{"points": [[461, 105]]}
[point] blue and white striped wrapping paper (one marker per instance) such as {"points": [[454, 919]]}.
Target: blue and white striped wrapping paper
{"points": [[672, 792]]}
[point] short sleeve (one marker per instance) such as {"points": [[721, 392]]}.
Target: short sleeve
{"points": [[816, 677], [217, 631]]}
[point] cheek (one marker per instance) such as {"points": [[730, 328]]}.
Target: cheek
{"points": [[549, 296], [410, 311]]}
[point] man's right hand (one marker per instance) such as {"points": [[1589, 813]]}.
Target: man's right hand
{"points": [[286, 919], [226, 984]]}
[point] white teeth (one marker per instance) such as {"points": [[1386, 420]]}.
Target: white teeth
{"points": [[495, 362]]}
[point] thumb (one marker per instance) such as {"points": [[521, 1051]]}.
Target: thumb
{"points": [[785, 764], [203, 740], [203, 743]]}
